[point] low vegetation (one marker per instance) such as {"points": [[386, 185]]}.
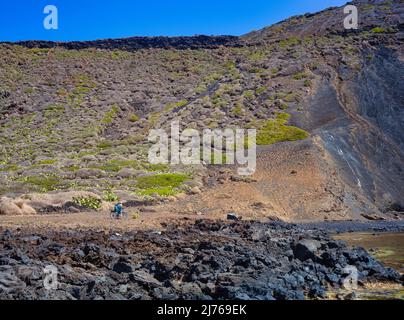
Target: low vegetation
{"points": [[44, 182], [276, 130], [88, 202], [109, 196], [164, 184], [110, 115]]}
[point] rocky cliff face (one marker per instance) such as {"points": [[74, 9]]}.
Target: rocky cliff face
{"points": [[137, 43], [75, 116], [375, 99]]}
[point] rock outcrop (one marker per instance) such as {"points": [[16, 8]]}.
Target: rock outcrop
{"points": [[137, 43], [207, 260]]}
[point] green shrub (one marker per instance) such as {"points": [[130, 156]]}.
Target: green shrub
{"points": [[72, 168], [88, 202], [249, 94], [9, 167], [275, 130], [54, 110], [292, 41], [110, 115], [29, 90], [218, 101], [81, 90], [85, 153], [257, 55], [378, 30], [300, 76], [109, 196], [256, 70], [83, 85], [237, 110], [119, 54], [46, 162], [181, 103], [45, 182], [172, 106], [230, 65], [164, 184], [161, 191], [261, 90], [161, 180], [133, 118], [290, 97], [105, 144]]}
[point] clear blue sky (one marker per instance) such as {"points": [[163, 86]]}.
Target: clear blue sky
{"points": [[97, 19]]}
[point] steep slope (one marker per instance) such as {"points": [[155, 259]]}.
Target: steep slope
{"points": [[356, 113], [383, 14]]}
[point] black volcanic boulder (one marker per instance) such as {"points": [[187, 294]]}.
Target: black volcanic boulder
{"points": [[122, 266], [306, 249]]}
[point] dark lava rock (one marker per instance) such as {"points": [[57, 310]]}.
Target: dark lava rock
{"points": [[137, 43], [232, 216], [205, 260], [122, 266], [306, 249]]}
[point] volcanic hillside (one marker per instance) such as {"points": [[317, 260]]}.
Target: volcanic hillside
{"points": [[327, 103]]}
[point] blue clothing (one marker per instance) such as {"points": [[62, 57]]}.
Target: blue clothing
{"points": [[118, 209]]}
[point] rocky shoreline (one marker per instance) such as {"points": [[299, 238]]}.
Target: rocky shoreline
{"points": [[201, 260]]}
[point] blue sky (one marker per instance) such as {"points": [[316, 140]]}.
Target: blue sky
{"points": [[97, 19]]}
